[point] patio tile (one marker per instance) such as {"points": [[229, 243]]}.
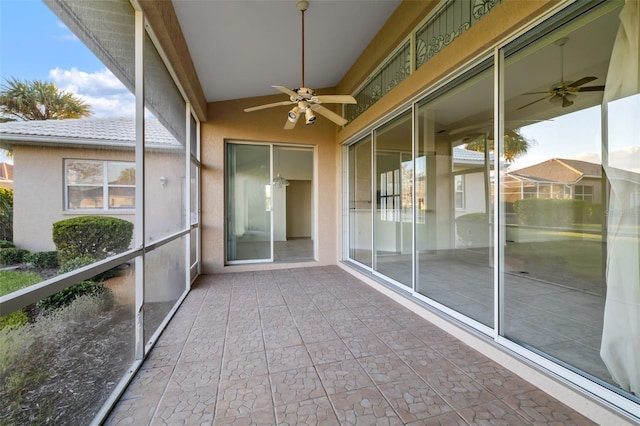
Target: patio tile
{"points": [[497, 379], [538, 407], [293, 386], [343, 376], [282, 359], [399, 340], [243, 396], [308, 412], [192, 375], [328, 351], [387, 368], [317, 346], [414, 400], [458, 389], [242, 366], [449, 419], [494, 413], [366, 345], [365, 406], [187, 407]]}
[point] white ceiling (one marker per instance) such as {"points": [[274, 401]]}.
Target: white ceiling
{"points": [[240, 48]]}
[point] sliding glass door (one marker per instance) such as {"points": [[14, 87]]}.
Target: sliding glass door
{"points": [[248, 203]]}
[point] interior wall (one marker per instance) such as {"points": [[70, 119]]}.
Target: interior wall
{"points": [[227, 121], [298, 209]]}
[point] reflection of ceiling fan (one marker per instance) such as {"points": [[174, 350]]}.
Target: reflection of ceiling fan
{"points": [[565, 92], [305, 100]]}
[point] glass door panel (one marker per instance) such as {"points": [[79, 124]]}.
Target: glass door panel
{"points": [[565, 250], [360, 202], [394, 195], [248, 203], [454, 168]]}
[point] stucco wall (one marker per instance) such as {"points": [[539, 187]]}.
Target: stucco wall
{"points": [[228, 122], [39, 193]]}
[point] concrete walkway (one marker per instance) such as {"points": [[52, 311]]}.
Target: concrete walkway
{"points": [[317, 346]]}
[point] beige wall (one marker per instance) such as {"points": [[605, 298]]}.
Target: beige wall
{"points": [[39, 193], [227, 121]]}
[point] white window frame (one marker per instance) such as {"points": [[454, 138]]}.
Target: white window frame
{"points": [[105, 186]]}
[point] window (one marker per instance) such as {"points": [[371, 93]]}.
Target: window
{"points": [[459, 191], [99, 185], [583, 192]]}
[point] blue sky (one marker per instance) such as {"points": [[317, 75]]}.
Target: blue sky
{"points": [[35, 44]]}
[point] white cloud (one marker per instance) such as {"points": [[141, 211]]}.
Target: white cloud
{"points": [[107, 96]]}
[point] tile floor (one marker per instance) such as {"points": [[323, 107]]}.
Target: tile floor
{"points": [[316, 346]]}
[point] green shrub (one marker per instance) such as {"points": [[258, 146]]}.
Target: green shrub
{"points": [[6, 214], [11, 281], [65, 297], [96, 236], [15, 319], [551, 212], [43, 259], [6, 244], [473, 228], [12, 256]]}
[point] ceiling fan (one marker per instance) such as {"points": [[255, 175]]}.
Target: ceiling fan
{"points": [[305, 99], [564, 92]]}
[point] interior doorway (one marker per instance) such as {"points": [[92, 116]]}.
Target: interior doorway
{"points": [[269, 203]]}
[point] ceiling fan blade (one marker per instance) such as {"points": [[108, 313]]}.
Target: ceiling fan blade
{"points": [[290, 125], [536, 101], [583, 80], [275, 104], [591, 89], [340, 121], [534, 93], [334, 99], [286, 91]]}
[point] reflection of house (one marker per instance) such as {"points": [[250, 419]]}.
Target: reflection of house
{"points": [[6, 175], [87, 167], [555, 178]]}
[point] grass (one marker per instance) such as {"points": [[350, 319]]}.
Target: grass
{"points": [[11, 281]]}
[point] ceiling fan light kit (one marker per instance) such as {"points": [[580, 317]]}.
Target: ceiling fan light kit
{"points": [[305, 99]]}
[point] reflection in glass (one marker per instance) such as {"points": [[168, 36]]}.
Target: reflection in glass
{"points": [[360, 201], [394, 195], [454, 167], [554, 199]]}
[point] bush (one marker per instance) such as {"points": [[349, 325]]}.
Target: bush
{"points": [[95, 236], [6, 244], [15, 319], [6, 214], [551, 212], [65, 297], [43, 259], [473, 228], [12, 256]]}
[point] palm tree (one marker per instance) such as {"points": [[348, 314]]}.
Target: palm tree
{"points": [[39, 100], [515, 144]]}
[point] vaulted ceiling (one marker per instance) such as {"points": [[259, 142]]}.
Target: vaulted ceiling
{"points": [[241, 48]]}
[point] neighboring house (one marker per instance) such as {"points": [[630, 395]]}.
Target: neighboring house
{"points": [[555, 178], [87, 168], [6, 175]]}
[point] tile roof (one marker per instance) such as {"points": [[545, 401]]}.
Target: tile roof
{"points": [[107, 131], [559, 170], [465, 155]]}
